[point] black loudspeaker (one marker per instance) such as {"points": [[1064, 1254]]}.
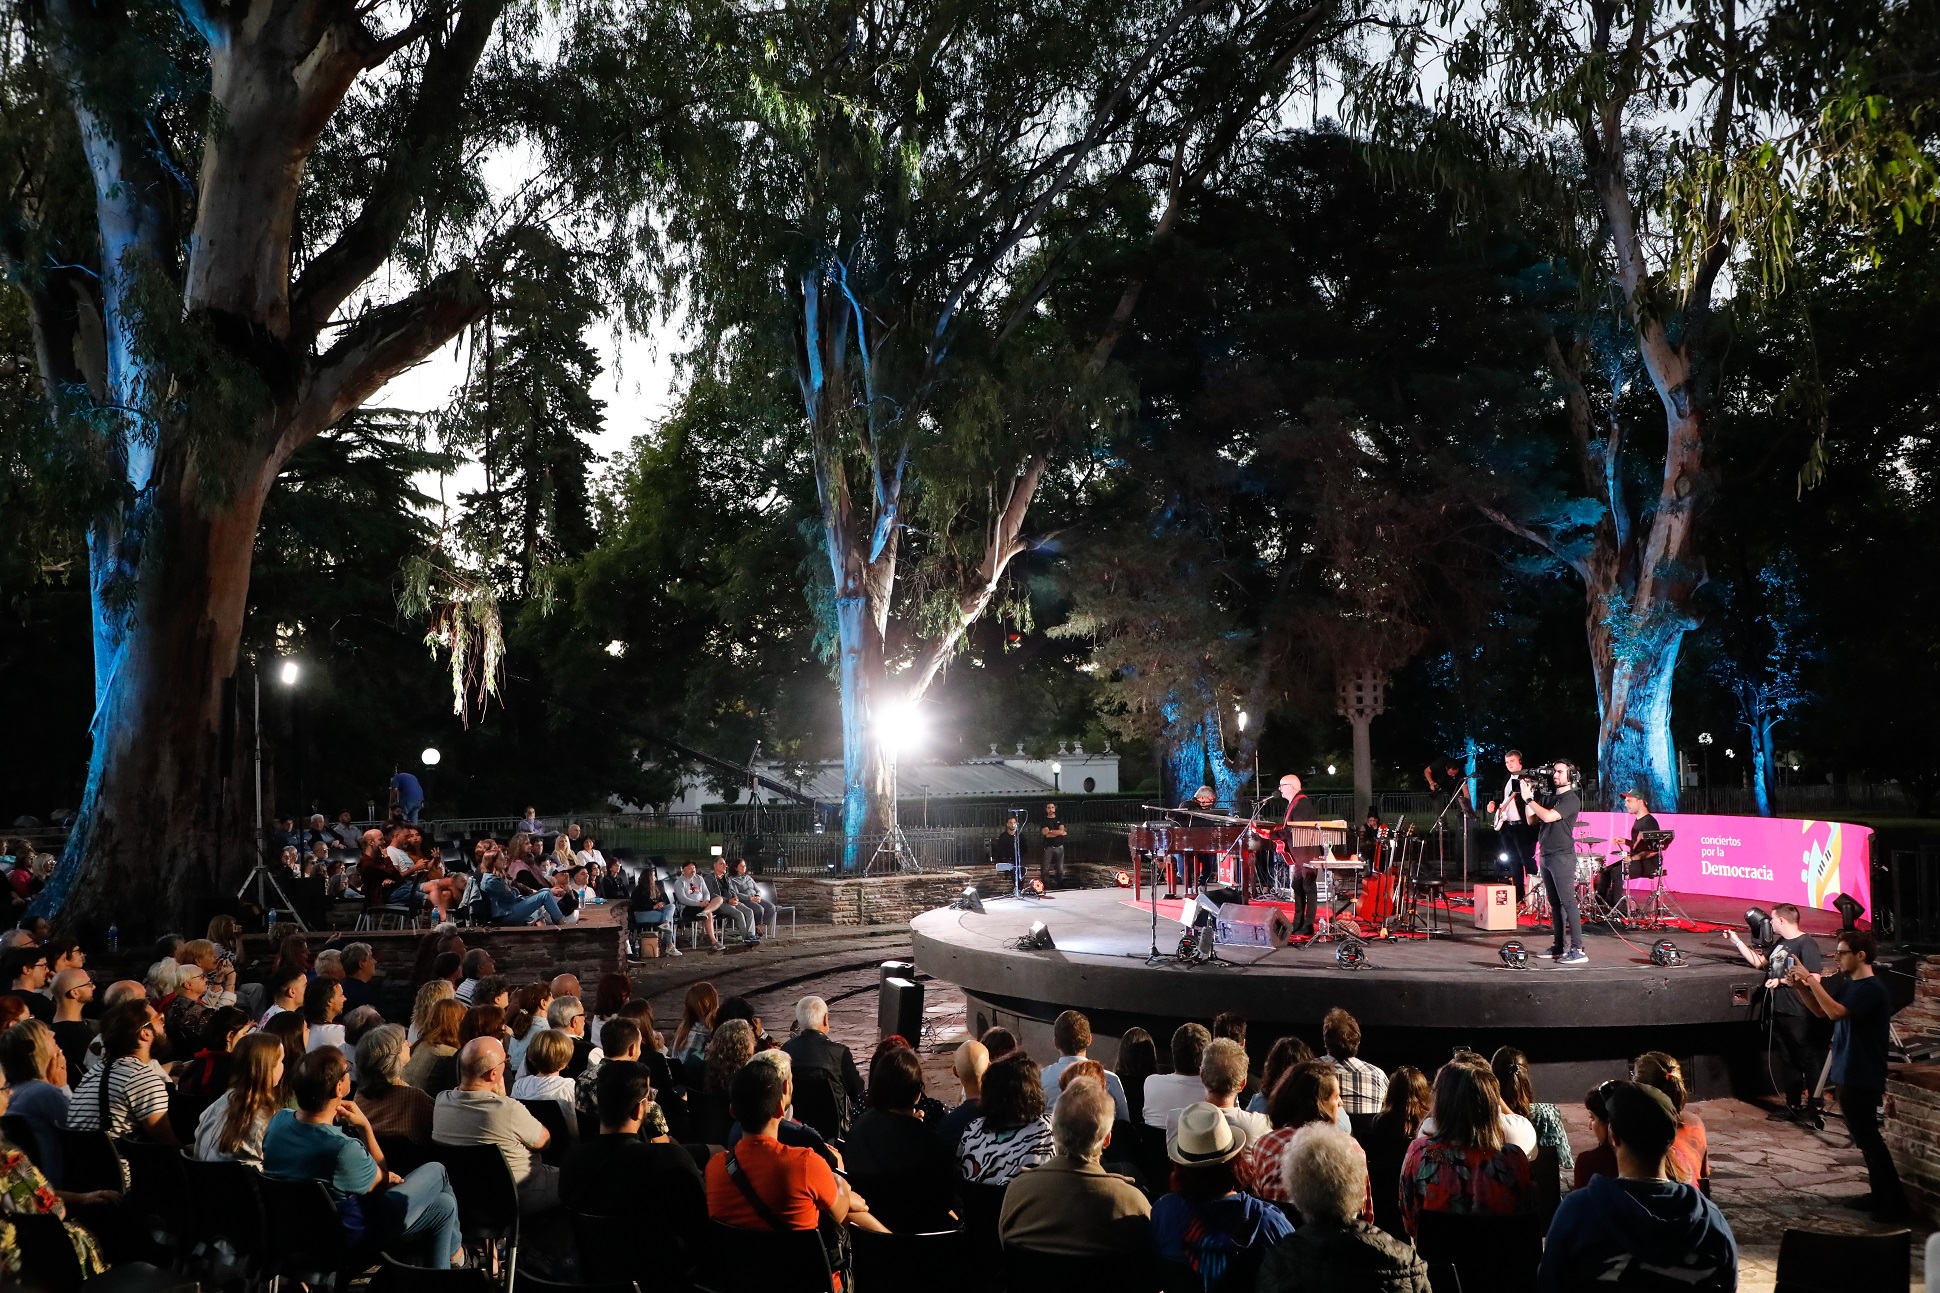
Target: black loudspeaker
{"points": [[1220, 895], [226, 729], [899, 1010], [896, 970]]}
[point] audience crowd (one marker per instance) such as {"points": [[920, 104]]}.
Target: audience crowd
{"points": [[1313, 1172]]}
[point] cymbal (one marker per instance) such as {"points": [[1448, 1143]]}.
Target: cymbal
{"points": [[1591, 839]]}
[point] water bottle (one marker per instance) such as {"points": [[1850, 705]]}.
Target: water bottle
{"points": [[114, 938], [271, 919]]}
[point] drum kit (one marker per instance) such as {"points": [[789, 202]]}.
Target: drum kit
{"points": [[1653, 911]]}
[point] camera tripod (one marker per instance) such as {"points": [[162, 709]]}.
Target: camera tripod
{"points": [[260, 875]]}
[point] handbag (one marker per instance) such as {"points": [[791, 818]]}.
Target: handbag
{"points": [[834, 1235]]}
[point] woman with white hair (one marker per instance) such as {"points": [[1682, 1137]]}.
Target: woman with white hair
{"points": [[1334, 1250]]}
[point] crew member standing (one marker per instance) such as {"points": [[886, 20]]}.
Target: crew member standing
{"points": [[1862, 1016], [1299, 809], [1516, 827], [1793, 1026], [1556, 842], [1051, 836]]}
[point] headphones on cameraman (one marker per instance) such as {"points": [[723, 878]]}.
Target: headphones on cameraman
{"points": [[1576, 775]]}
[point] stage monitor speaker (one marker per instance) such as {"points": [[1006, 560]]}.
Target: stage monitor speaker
{"points": [[1253, 926], [896, 970], [1221, 895], [1495, 906], [899, 1010]]}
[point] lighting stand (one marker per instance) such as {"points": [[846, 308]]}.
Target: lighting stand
{"points": [[1017, 889], [260, 875], [893, 846]]}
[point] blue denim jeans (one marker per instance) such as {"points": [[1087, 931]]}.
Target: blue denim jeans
{"points": [[431, 1213], [523, 910]]}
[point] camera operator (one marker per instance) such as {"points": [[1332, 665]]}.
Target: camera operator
{"points": [[1793, 1026], [1557, 842], [1862, 1016]]}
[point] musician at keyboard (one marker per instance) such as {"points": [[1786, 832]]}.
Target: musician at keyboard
{"points": [[1208, 863]]}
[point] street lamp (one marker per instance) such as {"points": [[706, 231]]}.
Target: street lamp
{"points": [[1057, 770], [1704, 739], [430, 756], [1330, 769], [289, 673]]}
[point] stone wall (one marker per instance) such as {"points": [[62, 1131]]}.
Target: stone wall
{"points": [[1912, 1127], [893, 899]]}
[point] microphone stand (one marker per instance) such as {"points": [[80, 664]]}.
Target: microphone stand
{"points": [[1441, 838]]}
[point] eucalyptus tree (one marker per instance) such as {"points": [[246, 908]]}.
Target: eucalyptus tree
{"points": [[233, 221], [895, 190], [1662, 147]]}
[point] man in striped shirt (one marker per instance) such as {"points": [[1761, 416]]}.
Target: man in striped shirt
{"points": [[128, 1094]]}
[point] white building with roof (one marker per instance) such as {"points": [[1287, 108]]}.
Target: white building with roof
{"points": [[1071, 771]]}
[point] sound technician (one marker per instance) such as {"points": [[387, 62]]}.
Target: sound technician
{"points": [[1794, 1028], [1556, 843]]}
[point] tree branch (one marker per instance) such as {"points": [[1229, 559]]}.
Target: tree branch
{"points": [[1546, 542], [379, 346], [434, 119]]}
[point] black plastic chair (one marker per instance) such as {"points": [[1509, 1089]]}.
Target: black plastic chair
{"points": [[821, 1102], [1810, 1261], [228, 1210], [1483, 1250], [553, 1119], [980, 1207], [89, 1162], [306, 1236], [22, 1133], [394, 1276], [766, 1261], [157, 1203], [402, 1155], [1028, 1271], [940, 1259], [488, 1200]]}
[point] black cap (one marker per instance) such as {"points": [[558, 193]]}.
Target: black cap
{"points": [[1640, 1116], [1639, 792]]}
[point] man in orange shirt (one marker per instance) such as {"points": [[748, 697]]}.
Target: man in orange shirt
{"points": [[781, 1187]]}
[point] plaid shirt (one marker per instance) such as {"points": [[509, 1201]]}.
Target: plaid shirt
{"points": [[1362, 1086]]}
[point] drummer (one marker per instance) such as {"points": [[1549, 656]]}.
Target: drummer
{"points": [[1609, 884]]}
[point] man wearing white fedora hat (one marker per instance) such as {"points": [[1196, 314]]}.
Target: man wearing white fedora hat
{"points": [[1205, 1225]]}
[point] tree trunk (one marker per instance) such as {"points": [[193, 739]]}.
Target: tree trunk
{"points": [[148, 827], [868, 774]]}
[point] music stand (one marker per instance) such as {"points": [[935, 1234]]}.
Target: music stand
{"points": [[1661, 908], [1017, 889]]}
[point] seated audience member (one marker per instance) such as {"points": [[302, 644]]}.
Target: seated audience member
{"points": [[1072, 1035], [480, 1113], [1138, 1059], [523, 1022], [36, 1073], [1690, 1153], [329, 964], [1167, 1093], [1069, 1205], [794, 1186], [624, 1175], [1325, 1177], [733, 908], [620, 1041], [1286, 1052], [741, 1008], [430, 994], [1012, 1133], [1204, 1223], [890, 1150], [287, 985], [293, 1031], [566, 1015], [1222, 1076], [1463, 1165], [1511, 1069], [127, 1093], [28, 970], [1640, 1222], [476, 964], [1308, 1093], [323, 1003], [233, 1126], [747, 890], [614, 991], [27, 1192], [649, 908], [392, 1106], [435, 1046], [184, 1014], [789, 1131], [1516, 1129], [482, 1021], [510, 904], [326, 1138], [969, 1063], [73, 993], [356, 1023], [1602, 1160], [360, 977], [691, 892], [493, 990], [730, 1047], [999, 1042], [1404, 1109], [216, 968], [1363, 1087], [613, 884], [811, 1050], [544, 1080]]}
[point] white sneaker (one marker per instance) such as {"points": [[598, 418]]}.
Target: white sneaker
{"points": [[673, 949], [1578, 957]]}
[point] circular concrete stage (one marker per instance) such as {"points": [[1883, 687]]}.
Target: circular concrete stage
{"points": [[1415, 999]]}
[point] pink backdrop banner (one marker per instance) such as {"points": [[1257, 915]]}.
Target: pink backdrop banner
{"points": [[1760, 859]]}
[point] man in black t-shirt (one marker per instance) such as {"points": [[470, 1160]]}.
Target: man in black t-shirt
{"points": [[1862, 1016], [1794, 1030], [1556, 846], [1052, 835], [1610, 878]]}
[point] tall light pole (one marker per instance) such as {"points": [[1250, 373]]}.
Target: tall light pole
{"points": [[1057, 771]]}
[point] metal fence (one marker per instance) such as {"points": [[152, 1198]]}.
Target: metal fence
{"points": [[1906, 896]]}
